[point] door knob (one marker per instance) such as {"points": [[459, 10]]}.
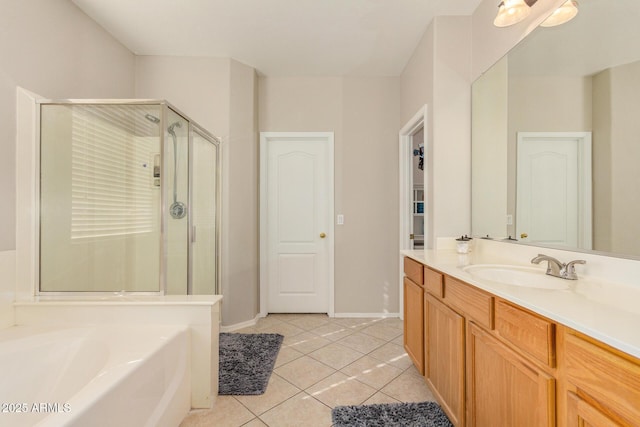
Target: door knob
{"points": [[322, 235]]}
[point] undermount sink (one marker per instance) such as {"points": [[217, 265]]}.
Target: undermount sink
{"points": [[528, 277]]}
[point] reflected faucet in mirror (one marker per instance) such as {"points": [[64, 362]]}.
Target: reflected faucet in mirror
{"points": [[559, 269]]}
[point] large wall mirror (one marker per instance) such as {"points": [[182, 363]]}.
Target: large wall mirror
{"points": [[556, 135]]}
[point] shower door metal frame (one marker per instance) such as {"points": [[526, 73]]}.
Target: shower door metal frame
{"points": [[192, 125], [197, 129]]}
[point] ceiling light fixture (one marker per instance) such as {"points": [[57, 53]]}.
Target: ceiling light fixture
{"points": [[513, 11], [564, 13]]}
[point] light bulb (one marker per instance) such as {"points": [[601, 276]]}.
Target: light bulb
{"points": [[564, 13], [511, 12]]}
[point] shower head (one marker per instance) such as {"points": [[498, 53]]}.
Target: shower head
{"points": [[152, 118], [173, 125]]}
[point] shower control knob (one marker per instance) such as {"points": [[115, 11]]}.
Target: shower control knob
{"points": [[178, 210]]}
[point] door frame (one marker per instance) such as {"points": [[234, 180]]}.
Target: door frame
{"points": [[585, 190], [265, 139], [405, 137]]}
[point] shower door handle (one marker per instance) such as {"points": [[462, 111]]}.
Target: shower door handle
{"points": [[193, 234]]}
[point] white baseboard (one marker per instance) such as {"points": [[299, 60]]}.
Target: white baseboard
{"points": [[373, 315], [241, 325], [254, 321]]}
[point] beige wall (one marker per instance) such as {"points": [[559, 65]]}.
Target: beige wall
{"points": [[529, 101], [55, 50], [602, 173], [240, 223], [489, 152], [452, 127], [220, 94], [438, 74], [491, 43], [416, 82], [199, 87], [364, 114], [617, 152]]}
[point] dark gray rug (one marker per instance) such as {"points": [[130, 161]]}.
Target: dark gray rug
{"points": [[246, 362], [422, 414]]}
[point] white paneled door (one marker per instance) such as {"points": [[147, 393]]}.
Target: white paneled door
{"points": [[553, 196], [296, 222]]}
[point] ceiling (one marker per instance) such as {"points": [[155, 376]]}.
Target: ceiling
{"points": [[278, 37]]}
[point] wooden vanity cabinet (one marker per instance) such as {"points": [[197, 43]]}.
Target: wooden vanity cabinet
{"points": [[492, 363], [603, 384], [503, 388], [582, 414], [533, 335], [414, 312], [473, 303], [444, 356]]}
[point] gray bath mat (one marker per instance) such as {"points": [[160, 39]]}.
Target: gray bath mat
{"points": [[423, 414], [246, 362]]}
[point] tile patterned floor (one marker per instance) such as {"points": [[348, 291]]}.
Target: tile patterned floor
{"points": [[323, 362]]}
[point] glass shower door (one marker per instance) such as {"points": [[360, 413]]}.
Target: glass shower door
{"points": [[175, 205], [204, 205], [99, 202]]}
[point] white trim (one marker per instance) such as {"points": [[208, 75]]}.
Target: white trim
{"points": [[241, 325], [27, 189], [264, 140], [419, 120], [7, 288], [368, 315], [585, 190]]}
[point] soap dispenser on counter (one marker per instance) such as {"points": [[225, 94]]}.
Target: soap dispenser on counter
{"points": [[463, 244]]}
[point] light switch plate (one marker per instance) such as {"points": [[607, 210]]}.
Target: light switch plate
{"points": [[340, 219]]}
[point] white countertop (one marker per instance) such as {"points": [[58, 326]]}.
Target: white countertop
{"points": [[614, 321]]}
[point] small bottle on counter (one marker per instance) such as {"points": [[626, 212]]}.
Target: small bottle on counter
{"points": [[463, 244]]}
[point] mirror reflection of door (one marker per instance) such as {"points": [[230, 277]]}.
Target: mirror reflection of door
{"points": [[418, 199], [553, 196]]}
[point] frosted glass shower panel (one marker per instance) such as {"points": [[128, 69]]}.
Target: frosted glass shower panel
{"points": [[204, 178], [176, 185], [100, 198]]}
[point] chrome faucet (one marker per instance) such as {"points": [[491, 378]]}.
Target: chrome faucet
{"points": [[556, 268]]}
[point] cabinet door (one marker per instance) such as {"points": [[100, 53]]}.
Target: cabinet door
{"points": [[444, 357], [581, 414], [413, 323], [503, 388], [608, 376]]}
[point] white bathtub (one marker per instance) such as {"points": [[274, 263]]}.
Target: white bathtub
{"points": [[94, 376]]}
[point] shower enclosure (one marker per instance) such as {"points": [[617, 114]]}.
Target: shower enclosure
{"points": [[129, 199]]}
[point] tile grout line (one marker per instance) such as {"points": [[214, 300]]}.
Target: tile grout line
{"points": [[366, 329]]}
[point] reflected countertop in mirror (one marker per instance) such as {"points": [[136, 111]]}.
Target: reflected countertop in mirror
{"points": [[581, 78]]}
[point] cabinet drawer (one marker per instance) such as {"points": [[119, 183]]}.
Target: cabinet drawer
{"points": [[528, 332], [610, 378], [413, 270], [433, 282], [472, 302]]}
